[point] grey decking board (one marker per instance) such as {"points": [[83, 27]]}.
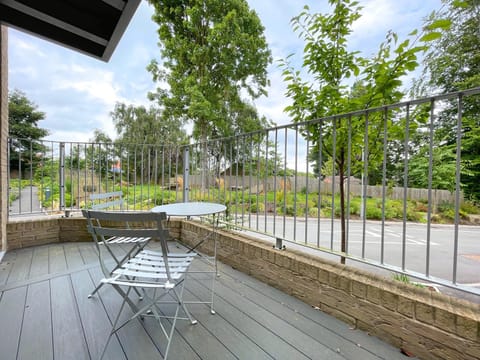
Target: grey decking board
{"points": [[95, 321], [39, 264], [21, 266], [73, 256], [12, 305], [5, 267], [58, 262], [134, 335], [68, 336], [238, 343], [133, 338], [315, 325], [36, 335], [267, 340], [88, 253], [235, 329], [370, 343]]}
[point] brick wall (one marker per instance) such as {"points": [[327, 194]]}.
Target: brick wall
{"points": [[426, 324], [3, 135]]}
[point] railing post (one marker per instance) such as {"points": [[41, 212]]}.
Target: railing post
{"points": [[186, 172], [61, 175]]}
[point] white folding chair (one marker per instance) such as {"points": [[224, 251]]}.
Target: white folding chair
{"points": [[156, 274], [136, 243]]}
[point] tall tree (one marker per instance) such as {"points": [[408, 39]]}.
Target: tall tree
{"points": [[329, 91], [453, 64], [147, 134], [24, 132], [214, 53]]}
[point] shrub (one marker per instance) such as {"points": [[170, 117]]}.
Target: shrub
{"points": [[253, 208]]}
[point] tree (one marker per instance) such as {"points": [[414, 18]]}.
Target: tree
{"points": [[214, 52], [330, 91], [453, 64], [24, 133], [147, 134]]}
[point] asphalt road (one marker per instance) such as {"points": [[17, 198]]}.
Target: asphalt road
{"points": [[404, 246]]}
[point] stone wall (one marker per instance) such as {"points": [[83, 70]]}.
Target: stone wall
{"points": [[3, 135], [426, 324], [421, 322]]}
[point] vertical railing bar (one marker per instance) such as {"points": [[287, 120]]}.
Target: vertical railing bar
{"points": [[128, 174], [61, 175], [384, 184], [365, 182], [334, 155], [295, 187], [457, 185], [236, 141], [430, 180], [135, 157], [155, 176], [243, 177], [275, 172], [265, 181], [142, 174], [164, 151], [177, 156], [31, 175], [20, 179], [250, 172], [320, 160], [149, 172], [257, 227], [405, 186], [186, 174], [285, 183], [349, 172], [306, 192], [230, 170]]}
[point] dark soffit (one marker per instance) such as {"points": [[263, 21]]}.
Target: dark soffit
{"points": [[93, 27]]}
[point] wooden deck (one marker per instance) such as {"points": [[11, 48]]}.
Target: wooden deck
{"points": [[45, 314]]}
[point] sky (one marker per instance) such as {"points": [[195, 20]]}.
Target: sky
{"points": [[77, 92]]}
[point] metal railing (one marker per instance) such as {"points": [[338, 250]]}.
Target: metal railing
{"points": [[368, 205]]}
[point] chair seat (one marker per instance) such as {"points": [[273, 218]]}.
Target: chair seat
{"points": [[126, 240]]}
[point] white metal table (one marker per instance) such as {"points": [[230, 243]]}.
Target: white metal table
{"points": [[198, 209]]}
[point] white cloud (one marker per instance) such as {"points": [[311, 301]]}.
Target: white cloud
{"points": [[78, 92]]}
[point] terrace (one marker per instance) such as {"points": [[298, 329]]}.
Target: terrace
{"points": [[50, 266], [46, 314], [280, 228]]}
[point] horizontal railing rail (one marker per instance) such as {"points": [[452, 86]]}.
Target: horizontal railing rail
{"points": [[391, 186]]}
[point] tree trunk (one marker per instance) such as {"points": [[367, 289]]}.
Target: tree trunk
{"points": [[342, 208]]}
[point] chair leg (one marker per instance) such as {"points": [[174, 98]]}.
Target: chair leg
{"points": [[113, 331], [95, 290]]}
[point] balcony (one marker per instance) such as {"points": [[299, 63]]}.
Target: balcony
{"points": [[283, 228], [46, 314]]}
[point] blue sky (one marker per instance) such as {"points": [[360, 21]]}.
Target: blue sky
{"points": [[77, 92]]}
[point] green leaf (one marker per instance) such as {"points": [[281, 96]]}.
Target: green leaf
{"points": [[440, 24], [431, 36], [413, 33]]}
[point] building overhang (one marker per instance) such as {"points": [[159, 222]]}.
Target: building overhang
{"points": [[93, 27]]}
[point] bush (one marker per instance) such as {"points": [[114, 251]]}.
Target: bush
{"points": [[253, 208]]}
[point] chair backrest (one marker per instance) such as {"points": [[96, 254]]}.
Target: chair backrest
{"points": [[105, 224], [108, 200]]}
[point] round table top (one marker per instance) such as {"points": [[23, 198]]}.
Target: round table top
{"points": [[190, 209]]}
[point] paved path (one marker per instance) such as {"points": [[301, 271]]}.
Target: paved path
{"points": [[27, 203]]}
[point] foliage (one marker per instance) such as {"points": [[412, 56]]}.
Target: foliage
{"points": [[330, 66], [214, 51], [137, 127], [24, 132], [453, 64]]}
